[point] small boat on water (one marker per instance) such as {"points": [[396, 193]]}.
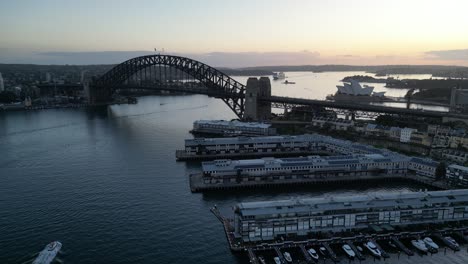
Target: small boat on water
{"points": [[430, 243], [288, 257], [288, 82], [452, 242], [347, 249], [47, 255], [323, 251], [373, 249], [262, 260], [313, 254], [277, 260], [420, 245]]}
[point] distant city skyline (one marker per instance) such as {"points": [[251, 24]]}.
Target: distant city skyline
{"points": [[236, 33]]}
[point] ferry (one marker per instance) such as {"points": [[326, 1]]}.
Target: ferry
{"points": [[47, 255], [288, 257], [277, 260], [373, 249], [347, 249], [420, 245], [313, 254], [278, 76], [452, 242], [430, 243]]}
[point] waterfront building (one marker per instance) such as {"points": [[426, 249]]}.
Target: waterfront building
{"points": [[423, 167], [2, 84], [232, 128], [459, 157], [354, 88], [223, 171], [405, 135], [421, 138], [395, 133], [457, 175], [334, 123], [270, 220], [271, 145], [459, 99]]}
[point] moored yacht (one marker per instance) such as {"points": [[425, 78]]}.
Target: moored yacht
{"points": [[347, 249], [47, 255], [420, 245], [452, 242], [313, 254], [373, 249], [287, 256], [277, 260], [323, 251], [430, 243]]}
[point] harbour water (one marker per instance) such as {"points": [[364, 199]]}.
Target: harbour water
{"points": [[105, 183]]}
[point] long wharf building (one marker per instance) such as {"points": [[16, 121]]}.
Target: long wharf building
{"points": [[223, 127], [219, 171], [269, 220], [271, 146], [342, 161]]}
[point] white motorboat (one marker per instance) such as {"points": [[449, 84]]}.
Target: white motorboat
{"points": [[347, 249], [323, 251], [277, 260], [47, 255], [430, 243], [313, 254], [452, 241], [373, 249], [420, 245], [287, 256]]}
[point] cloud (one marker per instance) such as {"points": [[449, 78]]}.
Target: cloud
{"points": [[97, 57], [459, 54], [216, 59], [248, 59]]}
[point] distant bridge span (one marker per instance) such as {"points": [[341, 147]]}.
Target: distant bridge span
{"points": [[216, 83], [214, 80]]}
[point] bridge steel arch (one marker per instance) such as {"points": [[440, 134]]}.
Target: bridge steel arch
{"points": [[210, 77]]}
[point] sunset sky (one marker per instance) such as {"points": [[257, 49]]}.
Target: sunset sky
{"points": [[236, 33]]}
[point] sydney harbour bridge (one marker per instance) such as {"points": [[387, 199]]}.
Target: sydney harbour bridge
{"points": [[250, 101]]}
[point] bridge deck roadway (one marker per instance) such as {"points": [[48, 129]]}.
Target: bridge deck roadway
{"points": [[310, 102], [362, 107]]}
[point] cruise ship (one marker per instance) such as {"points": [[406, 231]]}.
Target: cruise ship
{"points": [[353, 90], [279, 76]]}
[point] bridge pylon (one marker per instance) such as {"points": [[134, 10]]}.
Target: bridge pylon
{"points": [[256, 110]]}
